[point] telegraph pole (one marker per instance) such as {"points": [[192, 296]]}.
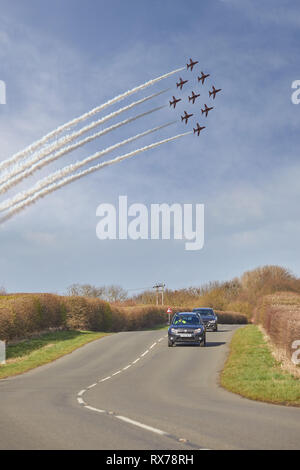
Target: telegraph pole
{"points": [[159, 290]]}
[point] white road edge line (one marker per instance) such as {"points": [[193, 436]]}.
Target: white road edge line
{"points": [[127, 367], [137, 360], [144, 354], [80, 401], [154, 344], [81, 393], [92, 386], [116, 373], [141, 425], [106, 378], [94, 409]]}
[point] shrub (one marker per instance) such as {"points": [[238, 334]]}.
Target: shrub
{"points": [[279, 314]]}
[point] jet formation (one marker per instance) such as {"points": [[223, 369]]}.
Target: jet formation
{"points": [[194, 95]]}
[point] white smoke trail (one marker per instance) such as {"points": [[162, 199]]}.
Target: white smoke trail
{"points": [[54, 187], [18, 156], [45, 161], [71, 168], [20, 167]]}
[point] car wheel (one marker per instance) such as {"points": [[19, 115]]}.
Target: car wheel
{"points": [[203, 342], [170, 344]]}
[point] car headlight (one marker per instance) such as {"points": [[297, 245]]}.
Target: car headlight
{"points": [[199, 330], [173, 331]]}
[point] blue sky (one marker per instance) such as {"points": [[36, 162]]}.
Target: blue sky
{"points": [[59, 62]]}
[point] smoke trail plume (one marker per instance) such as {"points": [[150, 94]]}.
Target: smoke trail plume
{"points": [[45, 161], [71, 168], [20, 167], [54, 187], [39, 143]]}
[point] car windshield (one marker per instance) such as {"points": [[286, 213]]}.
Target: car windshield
{"points": [[205, 312], [186, 320]]}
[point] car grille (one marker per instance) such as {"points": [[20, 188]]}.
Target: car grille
{"points": [[187, 330]]}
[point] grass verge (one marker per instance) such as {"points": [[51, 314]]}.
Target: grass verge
{"points": [[28, 354], [252, 371]]}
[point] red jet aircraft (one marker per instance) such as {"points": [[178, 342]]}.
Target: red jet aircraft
{"points": [[186, 117], [174, 102], [198, 129], [181, 83], [191, 64], [214, 92], [206, 110], [193, 97], [203, 77]]}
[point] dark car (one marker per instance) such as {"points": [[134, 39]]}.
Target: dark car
{"points": [[186, 328], [208, 317]]}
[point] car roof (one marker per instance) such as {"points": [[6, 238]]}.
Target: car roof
{"points": [[185, 313], [202, 308]]}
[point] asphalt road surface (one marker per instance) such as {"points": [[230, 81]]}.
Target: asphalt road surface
{"points": [[141, 395]]}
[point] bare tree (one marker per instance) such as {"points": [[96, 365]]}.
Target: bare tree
{"points": [[86, 290], [115, 293], [2, 290]]}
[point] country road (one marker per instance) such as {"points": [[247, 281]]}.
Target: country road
{"points": [[142, 395]]}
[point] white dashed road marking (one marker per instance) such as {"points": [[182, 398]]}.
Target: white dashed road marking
{"points": [[141, 425]]}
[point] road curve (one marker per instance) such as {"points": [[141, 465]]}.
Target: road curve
{"points": [[142, 395]]}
